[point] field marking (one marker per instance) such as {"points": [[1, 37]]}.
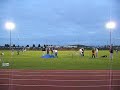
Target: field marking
{"points": [[54, 72], [66, 75], [56, 75], [58, 86], [61, 80], [61, 71], [4, 74], [54, 80], [4, 78], [68, 72]]}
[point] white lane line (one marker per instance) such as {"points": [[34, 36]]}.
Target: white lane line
{"points": [[56, 75], [59, 86], [8, 84], [22, 70], [4, 74], [66, 75], [56, 80], [4, 78], [52, 72], [64, 72]]}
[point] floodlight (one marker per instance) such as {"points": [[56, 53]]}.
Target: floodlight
{"points": [[111, 25], [9, 25]]}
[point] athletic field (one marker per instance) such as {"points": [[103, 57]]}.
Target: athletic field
{"points": [[67, 60]]}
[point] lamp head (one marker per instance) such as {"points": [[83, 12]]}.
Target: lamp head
{"points": [[110, 25], [9, 25]]}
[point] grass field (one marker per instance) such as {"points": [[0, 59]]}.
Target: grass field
{"points": [[67, 60]]}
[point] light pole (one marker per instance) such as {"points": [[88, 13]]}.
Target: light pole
{"points": [[111, 25], [10, 26]]}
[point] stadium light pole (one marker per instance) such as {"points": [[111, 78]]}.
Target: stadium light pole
{"points": [[10, 26], [111, 25]]}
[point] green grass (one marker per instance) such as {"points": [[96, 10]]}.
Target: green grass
{"points": [[69, 60]]}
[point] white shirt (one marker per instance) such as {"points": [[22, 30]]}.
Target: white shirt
{"points": [[81, 51], [96, 50], [55, 51]]}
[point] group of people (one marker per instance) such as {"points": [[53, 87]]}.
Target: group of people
{"points": [[94, 52], [47, 50]]}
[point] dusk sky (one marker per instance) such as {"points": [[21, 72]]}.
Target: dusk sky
{"points": [[59, 22]]}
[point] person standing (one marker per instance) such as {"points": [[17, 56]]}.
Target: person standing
{"points": [[93, 53], [48, 49], [51, 49], [43, 50], [96, 52], [55, 52], [81, 52], [111, 52]]}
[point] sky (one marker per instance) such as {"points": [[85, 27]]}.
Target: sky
{"points": [[59, 22]]}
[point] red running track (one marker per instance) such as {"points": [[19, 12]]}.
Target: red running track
{"points": [[59, 80]]}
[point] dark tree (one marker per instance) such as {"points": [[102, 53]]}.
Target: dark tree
{"points": [[27, 46], [33, 45], [39, 45], [13, 45]]}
